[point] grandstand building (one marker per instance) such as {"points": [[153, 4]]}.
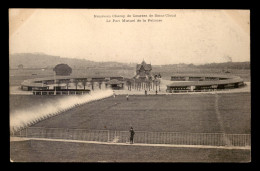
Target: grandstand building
{"points": [[198, 82], [143, 80]]}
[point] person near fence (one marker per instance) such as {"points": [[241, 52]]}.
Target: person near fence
{"points": [[132, 133]]}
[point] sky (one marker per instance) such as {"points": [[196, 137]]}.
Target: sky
{"points": [[188, 36]]}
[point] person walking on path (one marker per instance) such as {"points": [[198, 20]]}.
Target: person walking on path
{"points": [[145, 92], [132, 133], [127, 97]]}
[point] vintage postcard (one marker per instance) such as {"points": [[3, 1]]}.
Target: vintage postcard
{"points": [[129, 85]]}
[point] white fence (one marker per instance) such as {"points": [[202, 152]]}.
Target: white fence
{"points": [[177, 138]]}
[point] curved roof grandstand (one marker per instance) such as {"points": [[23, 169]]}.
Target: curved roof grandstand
{"points": [[182, 80], [42, 82], [179, 81]]}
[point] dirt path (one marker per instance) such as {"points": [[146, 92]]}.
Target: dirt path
{"points": [[128, 144]]}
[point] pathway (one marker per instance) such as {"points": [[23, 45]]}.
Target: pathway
{"points": [[12, 139]]}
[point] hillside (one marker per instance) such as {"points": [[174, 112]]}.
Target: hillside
{"points": [[39, 60], [225, 65]]}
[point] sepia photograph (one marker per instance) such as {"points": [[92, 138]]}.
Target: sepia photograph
{"points": [[129, 85]]}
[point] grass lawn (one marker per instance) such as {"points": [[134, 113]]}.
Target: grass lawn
{"points": [[175, 113], [48, 151]]}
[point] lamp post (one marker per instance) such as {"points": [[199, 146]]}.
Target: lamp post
{"points": [[54, 83], [159, 84], [156, 82]]}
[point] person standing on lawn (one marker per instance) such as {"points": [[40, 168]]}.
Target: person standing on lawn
{"points": [[132, 133]]}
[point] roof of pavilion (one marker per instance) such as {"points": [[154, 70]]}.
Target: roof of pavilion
{"points": [[146, 66], [228, 80], [35, 82]]}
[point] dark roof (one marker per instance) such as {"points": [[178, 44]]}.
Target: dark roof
{"points": [[146, 66]]}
